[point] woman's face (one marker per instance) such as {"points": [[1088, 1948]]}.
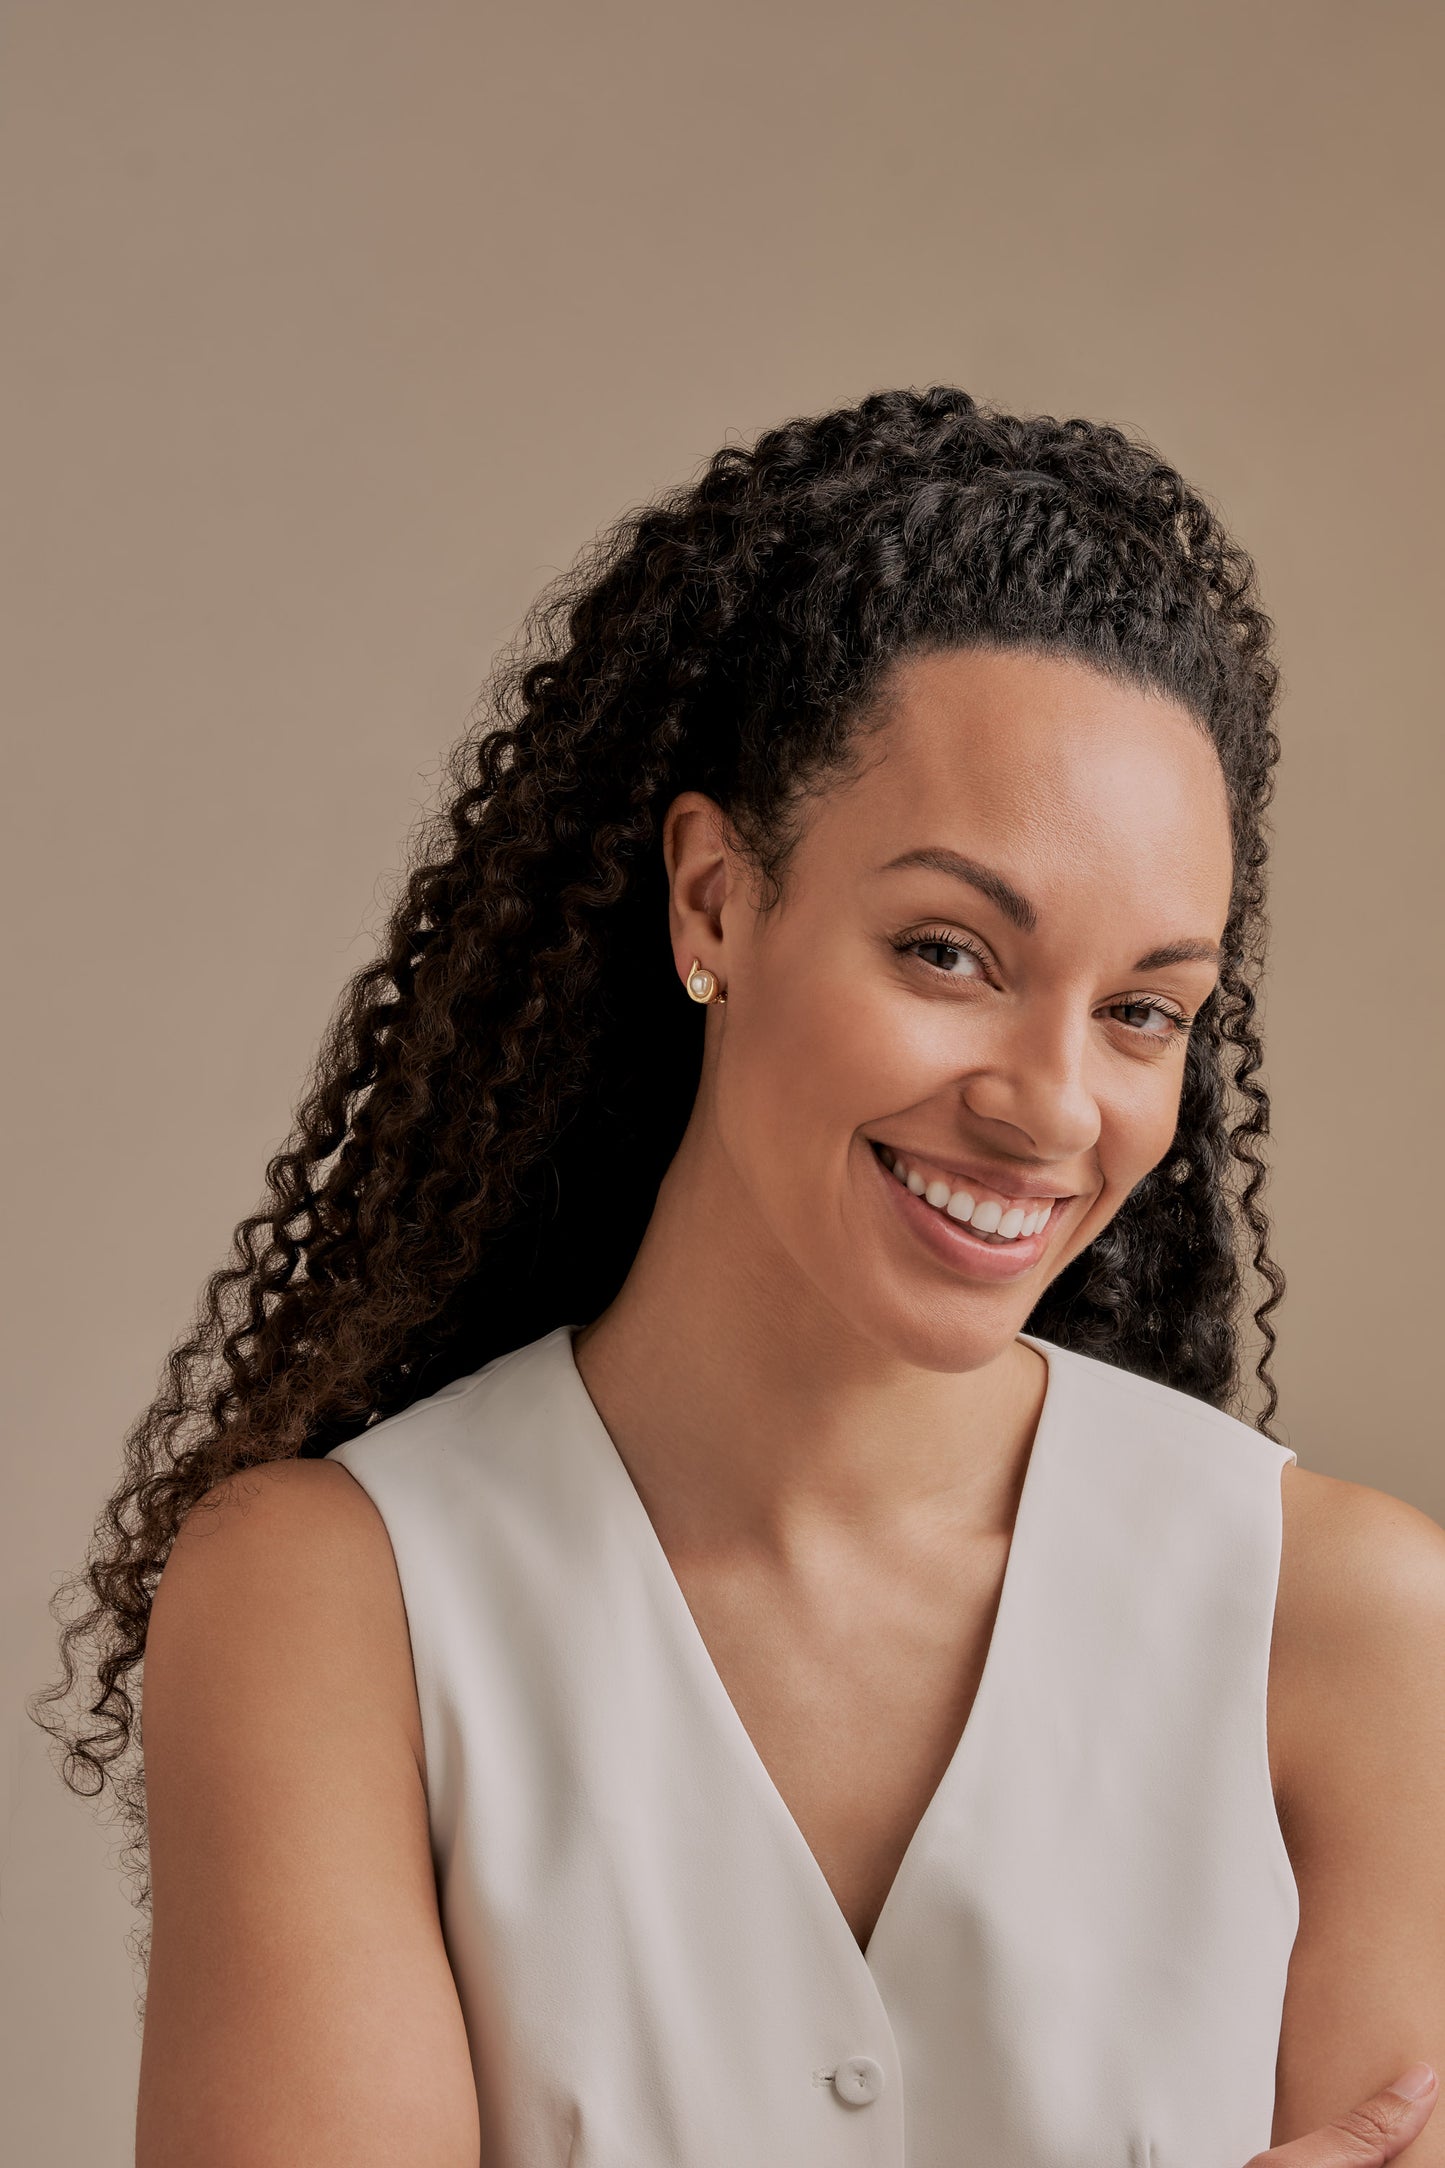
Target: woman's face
{"points": [[988, 943]]}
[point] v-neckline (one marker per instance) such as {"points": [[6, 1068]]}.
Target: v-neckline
{"points": [[694, 1648]]}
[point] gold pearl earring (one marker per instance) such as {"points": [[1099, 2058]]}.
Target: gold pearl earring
{"points": [[702, 984]]}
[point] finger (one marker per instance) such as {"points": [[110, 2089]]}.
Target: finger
{"points": [[1367, 2136]]}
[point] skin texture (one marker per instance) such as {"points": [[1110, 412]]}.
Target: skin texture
{"points": [[300, 2008], [829, 1428]]}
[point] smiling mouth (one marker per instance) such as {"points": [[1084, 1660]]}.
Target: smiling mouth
{"points": [[989, 1215]]}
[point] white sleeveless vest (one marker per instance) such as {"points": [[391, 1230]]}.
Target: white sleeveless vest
{"points": [[1081, 1962]]}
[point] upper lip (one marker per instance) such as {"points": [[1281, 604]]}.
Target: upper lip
{"points": [[1006, 1181]]}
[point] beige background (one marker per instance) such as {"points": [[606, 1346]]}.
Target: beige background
{"points": [[335, 327]]}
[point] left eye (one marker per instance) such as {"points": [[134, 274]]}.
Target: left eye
{"points": [[1167, 1023]]}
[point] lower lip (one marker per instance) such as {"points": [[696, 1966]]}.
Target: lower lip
{"points": [[957, 1245]]}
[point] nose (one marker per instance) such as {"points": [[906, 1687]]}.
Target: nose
{"points": [[1034, 1081]]}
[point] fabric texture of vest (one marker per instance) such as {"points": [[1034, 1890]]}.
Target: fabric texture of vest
{"points": [[1081, 1962]]}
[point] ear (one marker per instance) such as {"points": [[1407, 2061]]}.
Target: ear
{"points": [[702, 872]]}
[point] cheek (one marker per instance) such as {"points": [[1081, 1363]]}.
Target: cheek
{"points": [[821, 1059], [794, 1076], [1137, 1124]]}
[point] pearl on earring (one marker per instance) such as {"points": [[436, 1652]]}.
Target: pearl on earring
{"points": [[702, 984]]}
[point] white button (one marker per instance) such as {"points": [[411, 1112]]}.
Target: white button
{"points": [[859, 2080]]}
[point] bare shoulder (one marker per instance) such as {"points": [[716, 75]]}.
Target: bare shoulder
{"points": [[302, 1533], [1356, 1566], [279, 1506], [280, 1555], [299, 2004], [1360, 1612], [1357, 1741]]}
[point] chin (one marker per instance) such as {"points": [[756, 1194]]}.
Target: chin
{"points": [[961, 1332]]}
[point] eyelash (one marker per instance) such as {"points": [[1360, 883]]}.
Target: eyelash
{"points": [[946, 937]]}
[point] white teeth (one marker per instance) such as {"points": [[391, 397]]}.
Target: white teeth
{"points": [[1012, 1224]]}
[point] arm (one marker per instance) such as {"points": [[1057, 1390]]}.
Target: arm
{"points": [[1358, 1679], [300, 2003]]}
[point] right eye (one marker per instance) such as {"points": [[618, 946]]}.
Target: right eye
{"points": [[942, 950]]}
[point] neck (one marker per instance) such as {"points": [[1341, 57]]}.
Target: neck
{"points": [[748, 1409]]}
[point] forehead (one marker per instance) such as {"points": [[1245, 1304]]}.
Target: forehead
{"points": [[1060, 777]]}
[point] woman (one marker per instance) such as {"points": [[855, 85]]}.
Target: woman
{"points": [[732, 1591]]}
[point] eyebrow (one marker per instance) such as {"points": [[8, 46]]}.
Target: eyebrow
{"points": [[937, 858]]}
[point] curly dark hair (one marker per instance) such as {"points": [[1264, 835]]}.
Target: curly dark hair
{"points": [[498, 1094]]}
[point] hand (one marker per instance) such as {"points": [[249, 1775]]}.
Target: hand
{"points": [[1365, 2137]]}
